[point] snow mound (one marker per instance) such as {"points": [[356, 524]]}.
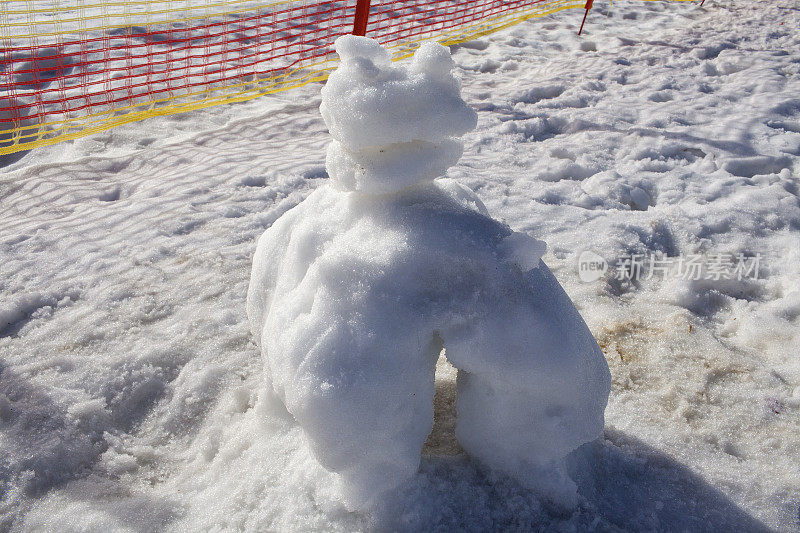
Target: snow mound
{"points": [[393, 126], [353, 296]]}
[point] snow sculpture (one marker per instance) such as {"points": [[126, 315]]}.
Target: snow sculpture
{"points": [[354, 291]]}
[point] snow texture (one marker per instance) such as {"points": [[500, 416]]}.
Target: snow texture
{"points": [[353, 295], [132, 394]]}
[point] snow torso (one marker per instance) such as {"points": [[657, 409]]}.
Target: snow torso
{"points": [[348, 306]]}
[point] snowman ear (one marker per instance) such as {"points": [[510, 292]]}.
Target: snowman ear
{"points": [[362, 50], [432, 59]]}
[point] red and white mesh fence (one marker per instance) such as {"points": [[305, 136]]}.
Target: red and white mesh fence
{"points": [[69, 69]]}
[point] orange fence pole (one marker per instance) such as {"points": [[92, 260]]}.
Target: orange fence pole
{"points": [[586, 13], [362, 15]]}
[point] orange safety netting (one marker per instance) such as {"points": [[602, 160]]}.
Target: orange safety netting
{"points": [[69, 69]]}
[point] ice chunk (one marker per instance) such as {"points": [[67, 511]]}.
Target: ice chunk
{"points": [[524, 250]]}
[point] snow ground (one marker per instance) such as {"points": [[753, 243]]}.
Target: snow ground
{"points": [[129, 383]]}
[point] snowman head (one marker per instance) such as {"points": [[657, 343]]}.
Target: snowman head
{"points": [[393, 126]]}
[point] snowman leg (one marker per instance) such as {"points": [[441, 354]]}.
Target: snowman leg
{"points": [[512, 431], [532, 386], [370, 428]]}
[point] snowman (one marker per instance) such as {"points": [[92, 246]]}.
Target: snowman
{"points": [[355, 291]]}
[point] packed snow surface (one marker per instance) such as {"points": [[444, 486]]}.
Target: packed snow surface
{"points": [[353, 295], [132, 394]]}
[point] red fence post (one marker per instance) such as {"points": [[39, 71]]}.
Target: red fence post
{"points": [[362, 14], [588, 6]]}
